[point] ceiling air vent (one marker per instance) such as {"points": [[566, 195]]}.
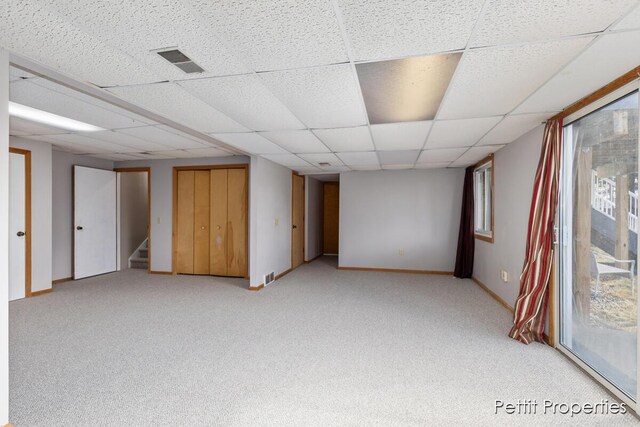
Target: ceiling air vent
{"points": [[180, 60], [324, 164]]}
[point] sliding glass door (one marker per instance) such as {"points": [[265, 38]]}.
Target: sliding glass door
{"points": [[598, 248]]}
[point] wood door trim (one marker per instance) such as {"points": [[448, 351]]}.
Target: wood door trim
{"points": [[174, 248], [293, 175], [27, 217], [148, 171]]}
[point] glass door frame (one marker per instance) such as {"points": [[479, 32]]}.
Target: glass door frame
{"points": [[564, 214]]}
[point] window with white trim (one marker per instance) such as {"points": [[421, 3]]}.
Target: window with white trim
{"points": [[483, 200]]}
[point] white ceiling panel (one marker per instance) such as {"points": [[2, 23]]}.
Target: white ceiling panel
{"points": [[544, 19], [307, 170], [398, 166], [209, 152], [492, 82], [346, 139], [118, 157], [54, 41], [316, 159], [288, 160], [586, 74], [335, 169], [120, 138], [138, 28], [91, 145], [250, 142], [440, 155], [380, 29], [439, 165], [459, 133], [375, 167], [18, 74], [322, 97], [173, 102], [512, 127], [272, 34], [407, 157], [400, 136], [296, 141], [163, 135], [28, 92], [355, 159], [631, 21], [245, 99], [475, 154], [27, 127]]}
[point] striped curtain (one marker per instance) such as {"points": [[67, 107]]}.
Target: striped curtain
{"points": [[531, 305]]}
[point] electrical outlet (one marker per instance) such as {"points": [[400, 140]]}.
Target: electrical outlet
{"points": [[504, 276], [401, 252]]}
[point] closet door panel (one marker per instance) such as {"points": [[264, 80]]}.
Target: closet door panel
{"points": [[218, 244], [201, 219], [237, 223], [185, 211]]}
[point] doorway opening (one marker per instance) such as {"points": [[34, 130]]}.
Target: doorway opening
{"points": [[133, 218], [19, 223]]}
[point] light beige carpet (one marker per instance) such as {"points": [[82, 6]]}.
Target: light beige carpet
{"points": [[319, 347]]}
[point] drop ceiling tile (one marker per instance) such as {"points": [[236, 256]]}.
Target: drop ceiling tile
{"points": [[245, 99], [586, 74], [380, 29], [398, 166], [162, 135], [272, 34], [439, 165], [334, 169], [322, 97], [91, 145], [18, 74], [250, 142], [118, 157], [375, 167], [138, 28], [27, 127], [544, 19], [631, 21], [55, 41], [400, 136], [440, 155], [173, 102], [296, 141], [72, 147], [209, 152], [398, 157], [512, 127], [355, 159], [307, 170], [30, 93], [346, 139], [288, 160], [121, 138], [459, 133], [492, 82], [316, 159], [474, 155]]}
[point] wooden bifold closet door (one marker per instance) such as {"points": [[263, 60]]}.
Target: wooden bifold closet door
{"points": [[211, 235]]}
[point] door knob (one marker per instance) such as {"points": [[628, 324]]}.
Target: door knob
{"points": [[295, 226], [202, 228], [79, 228], [218, 227], [20, 233]]}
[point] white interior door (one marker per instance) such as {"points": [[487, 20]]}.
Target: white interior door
{"points": [[17, 224], [94, 222]]}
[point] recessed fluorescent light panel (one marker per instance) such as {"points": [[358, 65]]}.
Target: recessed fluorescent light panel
{"points": [[44, 117], [180, 60], [406, 90]]}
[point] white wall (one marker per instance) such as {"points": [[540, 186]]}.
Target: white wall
{"points": [[162, 202], [313, 218], [384, 212], [270, 219], [4, 237], [132, 208], [62, 208], [41, 220], [515, 169]]}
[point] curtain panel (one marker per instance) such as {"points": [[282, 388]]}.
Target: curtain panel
{"points": [[532, 302], [466, 238]]}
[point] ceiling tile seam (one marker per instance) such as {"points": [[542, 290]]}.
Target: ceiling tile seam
{"points": [[94, 91], [347, 42], [456, 73]]}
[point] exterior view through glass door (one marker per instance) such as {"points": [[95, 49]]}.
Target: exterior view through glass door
{"points": [[598, 249]]}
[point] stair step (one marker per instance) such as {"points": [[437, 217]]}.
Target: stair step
{"points": [[139, 263], [143, 253]]}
